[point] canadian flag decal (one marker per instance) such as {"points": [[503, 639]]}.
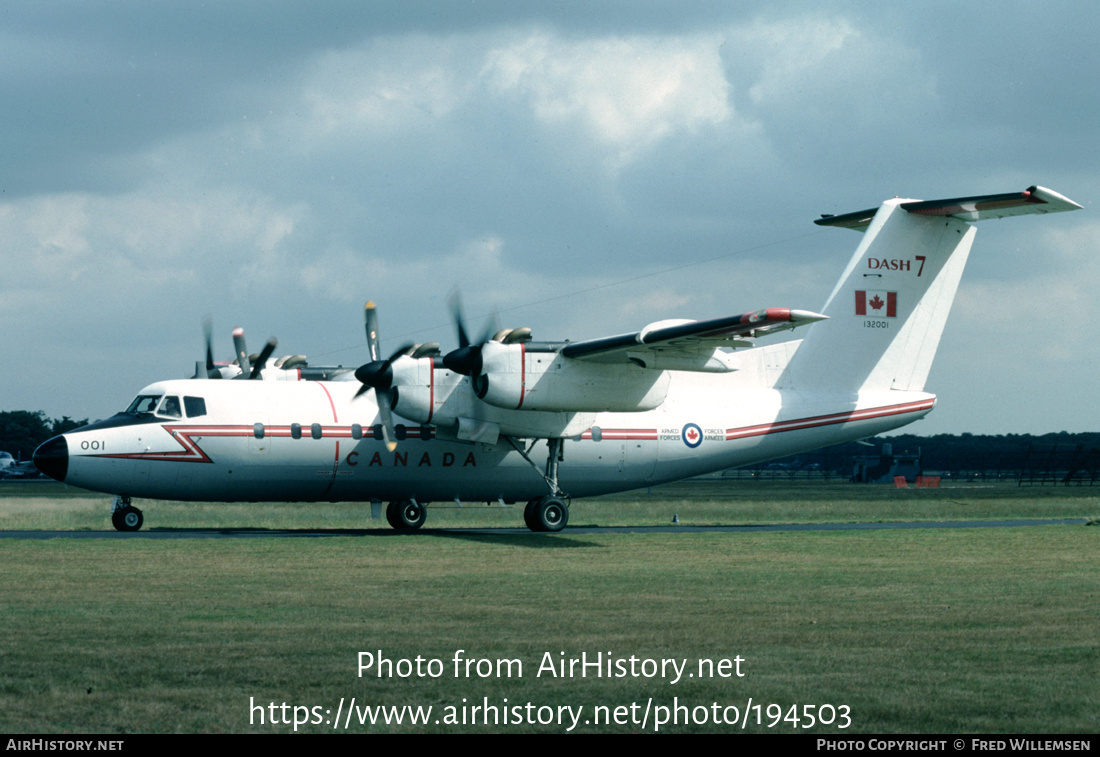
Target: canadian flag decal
{"points": [[882, 304]]}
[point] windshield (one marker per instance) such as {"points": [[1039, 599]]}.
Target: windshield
{"points": [[144, 403]]}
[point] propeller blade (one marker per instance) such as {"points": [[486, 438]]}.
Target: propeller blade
{"points": [[207, 369], [208, 333], [370, 316], [272, 343], [492, 326], [466, 360], [378, 374], [242, 351], [386, 413], [455, 301]]}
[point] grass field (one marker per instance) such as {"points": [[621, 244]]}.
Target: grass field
{"points": [[50, 505], [928, 630]]}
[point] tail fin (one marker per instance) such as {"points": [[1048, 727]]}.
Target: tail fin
{"points": [[888, 311]]}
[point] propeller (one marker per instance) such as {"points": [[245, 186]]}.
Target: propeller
{"points": [[251, 365], [208, 370], [242, 351], [208, 333], [261, 359], [466, 360], [378, 374]]}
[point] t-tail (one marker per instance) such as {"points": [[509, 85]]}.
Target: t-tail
{"points": [[888, 311]]}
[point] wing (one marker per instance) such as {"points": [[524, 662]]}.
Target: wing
{"points": [[689, 345]]}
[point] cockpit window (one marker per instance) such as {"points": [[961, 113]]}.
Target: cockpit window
{"points": [[195, 406], [170, 407], [144, 403]]}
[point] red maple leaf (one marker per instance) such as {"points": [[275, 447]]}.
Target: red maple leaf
{"points": [[692, 434], [876, 303]]}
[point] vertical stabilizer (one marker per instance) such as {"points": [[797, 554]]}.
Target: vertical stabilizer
{"points": [[888, 311]]}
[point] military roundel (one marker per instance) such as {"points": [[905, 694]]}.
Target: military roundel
{"points": [[692, 435]]}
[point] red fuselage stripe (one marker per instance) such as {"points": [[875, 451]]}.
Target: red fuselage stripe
{"points": [[192, 453], [829, 420]]}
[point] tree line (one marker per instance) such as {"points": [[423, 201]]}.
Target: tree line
{"points": [[21, 431], [956, 455]]}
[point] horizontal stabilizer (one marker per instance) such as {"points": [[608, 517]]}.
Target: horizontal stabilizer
{"points": [[978, 208]]}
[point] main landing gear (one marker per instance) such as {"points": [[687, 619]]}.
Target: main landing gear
{"points": [[549, 513], [124, 516], [406, 515], [546, 514]]}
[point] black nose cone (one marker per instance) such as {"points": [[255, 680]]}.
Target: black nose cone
{"points": [[52, 458]]}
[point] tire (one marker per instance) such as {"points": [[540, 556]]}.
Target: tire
{"points": [[127, 519], [529, 515], [550, 514], [407, 515], [393, 515]]}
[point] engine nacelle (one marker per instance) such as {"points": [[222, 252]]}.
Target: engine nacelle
{"points": [[414, 385], [513, 378], [520, 393], [434, 395]]}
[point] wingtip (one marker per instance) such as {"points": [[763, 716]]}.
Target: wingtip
{"points": [[807, 316], [1060, 201]]}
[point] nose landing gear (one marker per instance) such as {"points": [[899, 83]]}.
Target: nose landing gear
{"points": [[124, 516]]}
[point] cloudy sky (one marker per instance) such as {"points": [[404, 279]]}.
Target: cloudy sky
{"points": [[582, 168]]}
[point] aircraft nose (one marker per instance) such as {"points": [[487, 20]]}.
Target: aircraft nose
{"points": [[52, 457]]}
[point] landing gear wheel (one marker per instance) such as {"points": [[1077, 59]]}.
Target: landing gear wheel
{"points": [[546, 514], [406, 515], [391, 514], [529, 515], [128, 518]]}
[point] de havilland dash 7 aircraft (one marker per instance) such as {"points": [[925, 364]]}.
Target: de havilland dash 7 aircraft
{"points": [[504, 418]]}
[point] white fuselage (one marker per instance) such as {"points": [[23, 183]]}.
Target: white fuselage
{"points": [[313, 441]]}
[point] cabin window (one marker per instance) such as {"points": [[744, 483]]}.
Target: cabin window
{"points": [[296, 430], [315, 430], [170, 407], [356, 431], [258, 430], [195, 406]]}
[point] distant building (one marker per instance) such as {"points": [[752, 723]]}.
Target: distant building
{"points": [[885, 466]]}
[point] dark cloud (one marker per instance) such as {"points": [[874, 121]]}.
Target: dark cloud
{"points": [[585, 168]]}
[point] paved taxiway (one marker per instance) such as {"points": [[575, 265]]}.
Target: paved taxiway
{"points": [[247, 533]]}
